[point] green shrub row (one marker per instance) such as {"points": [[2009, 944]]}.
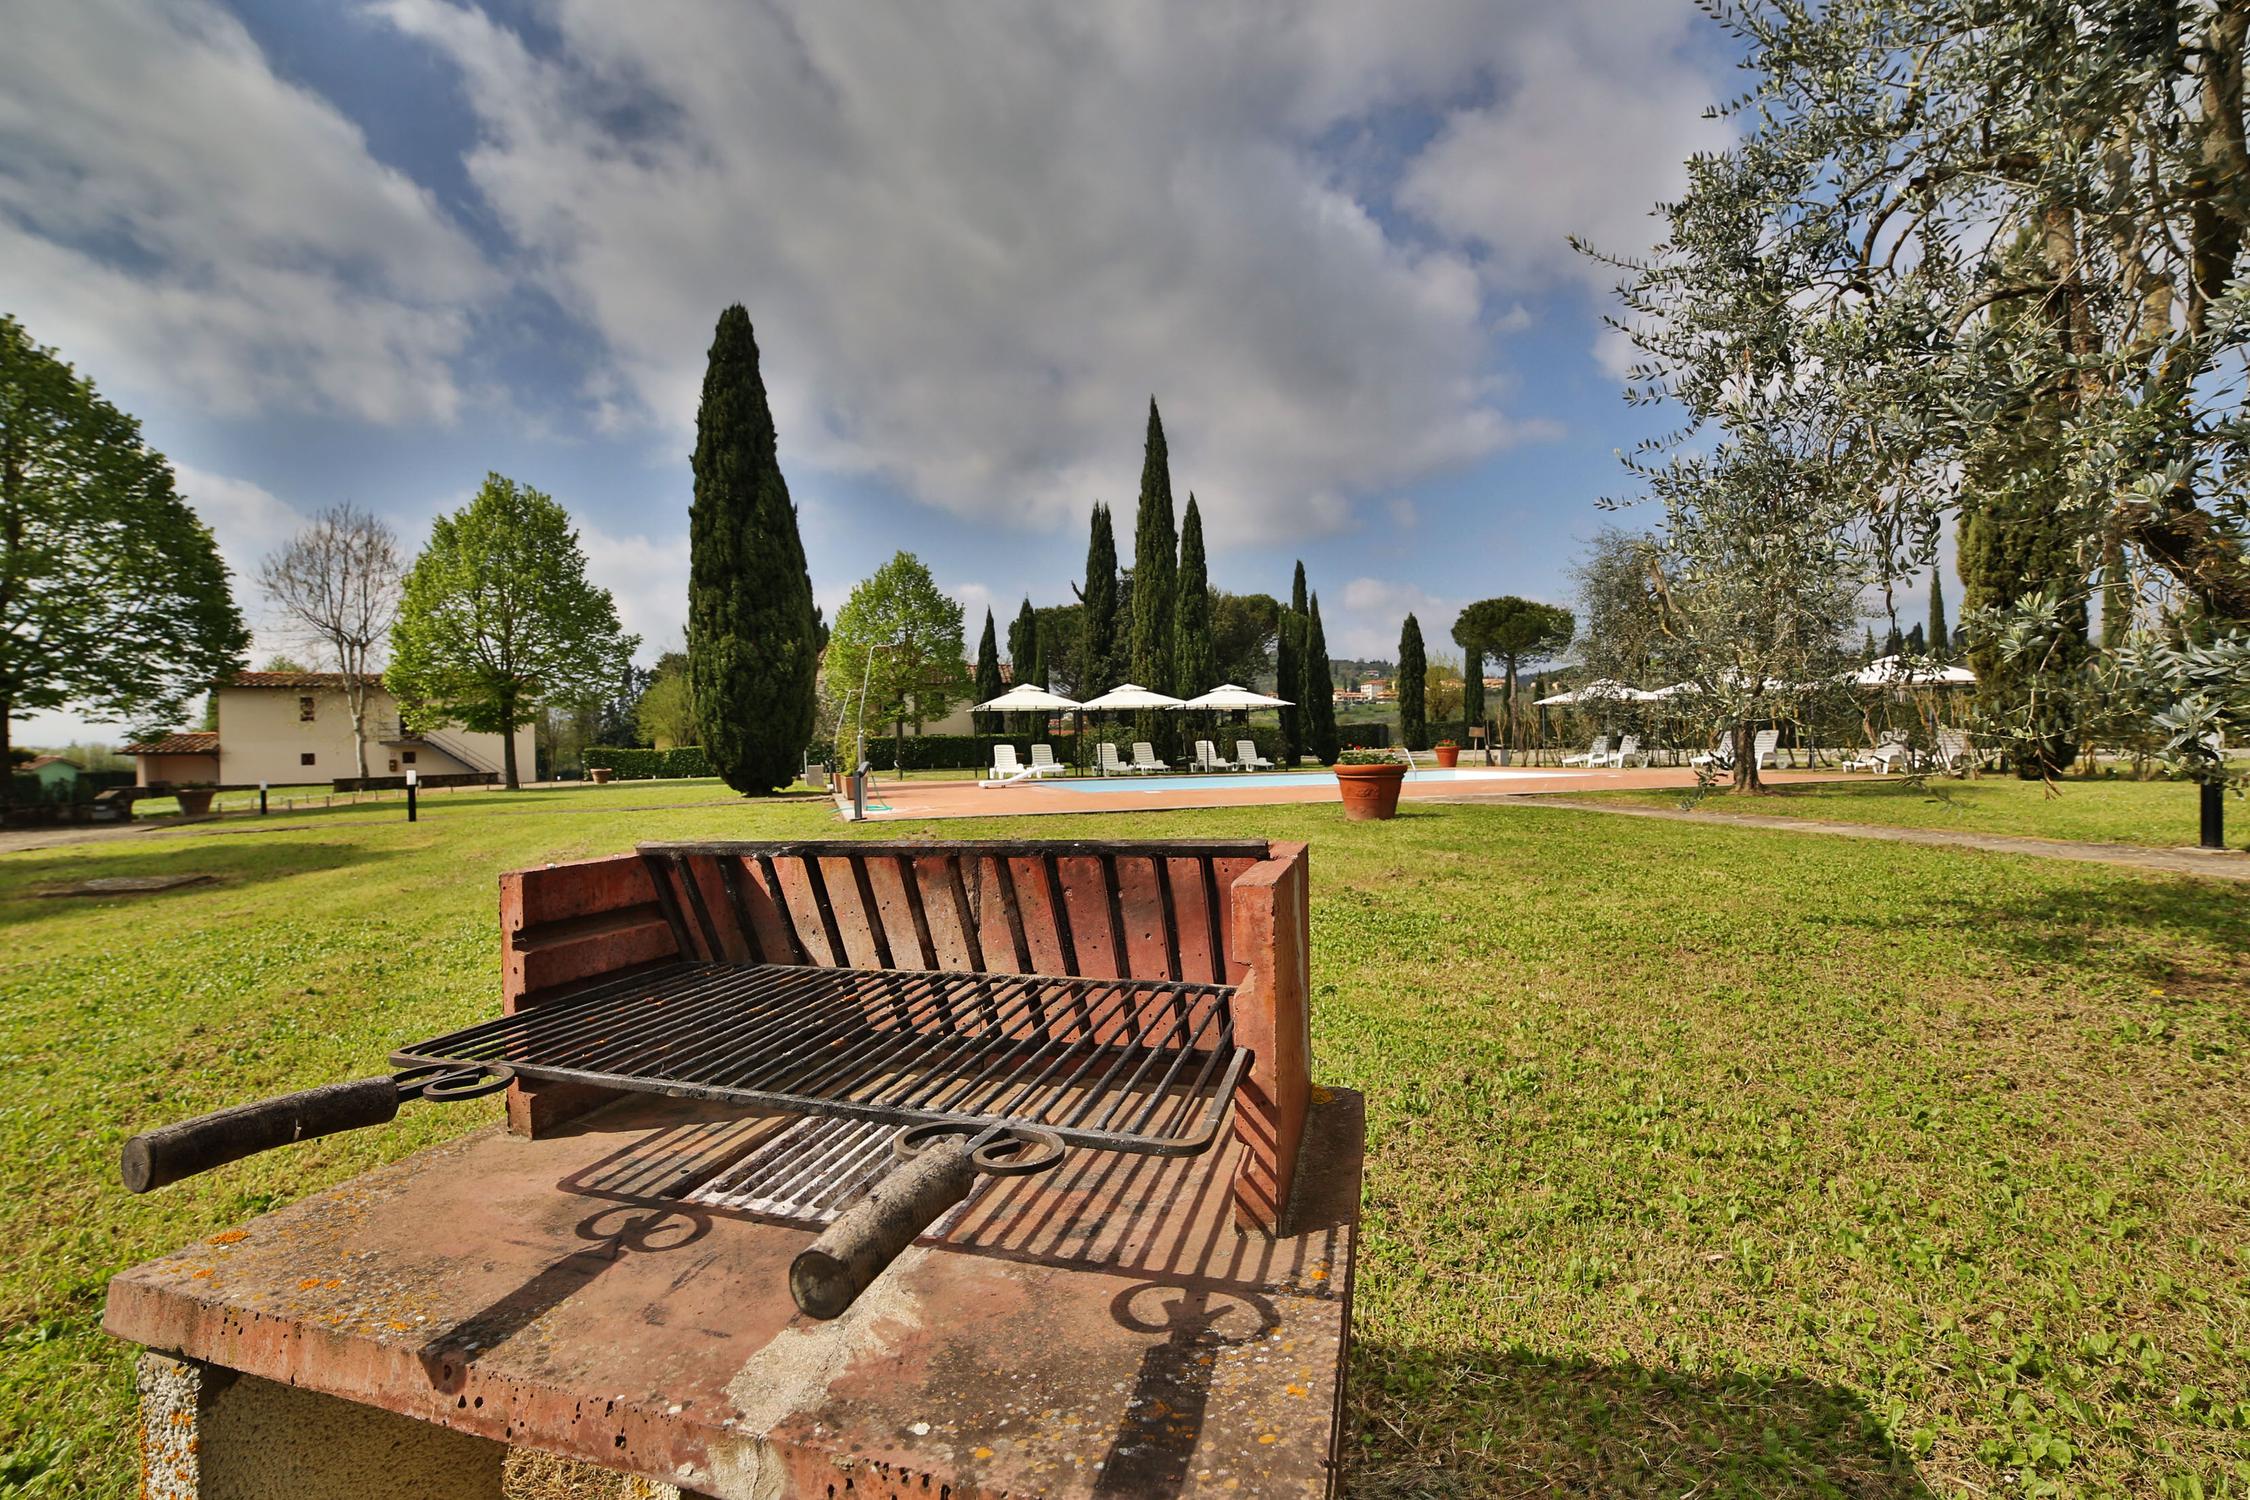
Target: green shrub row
{"points": [[633, 763]]}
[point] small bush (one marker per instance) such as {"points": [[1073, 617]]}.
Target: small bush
{"points": [[634, 763]]}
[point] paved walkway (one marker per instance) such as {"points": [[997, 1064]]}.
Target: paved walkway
{"points": [[2218, 864]]}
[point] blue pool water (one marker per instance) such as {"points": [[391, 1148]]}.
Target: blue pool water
{"points": [[1251, 779]]}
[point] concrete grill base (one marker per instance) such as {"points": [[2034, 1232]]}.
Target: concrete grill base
{"points": [[1103, 1330]]}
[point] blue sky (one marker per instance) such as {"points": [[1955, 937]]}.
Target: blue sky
{"points": [[368, 252]]}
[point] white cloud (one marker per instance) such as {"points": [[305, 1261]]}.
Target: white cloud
{"points": [[175, 216], [648, 578], [975, 239], [1592, 117], [1374, 609]]}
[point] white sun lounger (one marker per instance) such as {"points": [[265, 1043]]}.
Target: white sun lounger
{"points": [[1208, 758], [1628, 749], [1107, 763], [1246, 756], [1595, 753], [1144, 757]]}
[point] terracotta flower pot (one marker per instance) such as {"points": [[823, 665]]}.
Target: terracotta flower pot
{"points": [[194, 804], [1370, 792], [1449, 756], [600, 774]]}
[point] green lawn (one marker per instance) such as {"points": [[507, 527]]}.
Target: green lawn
{"points": [[1702, 1160], [2161, 813]]}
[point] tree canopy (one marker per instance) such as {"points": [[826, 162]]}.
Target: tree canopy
{"points": [[498, 618], [1519, 633], [112, 594], [894, 654]]}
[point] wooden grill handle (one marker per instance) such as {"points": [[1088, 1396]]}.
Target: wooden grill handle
{"points": [[833, 1270], [167, 1154]]}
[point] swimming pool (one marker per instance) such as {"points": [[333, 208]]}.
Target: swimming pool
{"points": [[1252, 780]]}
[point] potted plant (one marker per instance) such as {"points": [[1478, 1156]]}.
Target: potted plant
{"points": [[1369, 780], [1448, 754], [600, 774], [195, 801]]}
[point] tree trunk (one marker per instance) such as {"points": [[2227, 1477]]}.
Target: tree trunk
{"points": [[508, 741], [1746, 759], [7, 754], [355, 698]]}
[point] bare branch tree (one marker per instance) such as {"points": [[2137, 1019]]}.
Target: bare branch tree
{"points": [[336, 583]]}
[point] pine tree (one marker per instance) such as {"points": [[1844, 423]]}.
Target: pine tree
{"points": [[1156, 545], [752, 639], [1868, 653], [1941, 635], [1098, 635], [1320, 704], [1194, 663], [988, 677], [1023, 658], [1413, 665]]}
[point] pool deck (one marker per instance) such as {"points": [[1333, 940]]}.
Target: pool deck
{"points": [[966, 799]]}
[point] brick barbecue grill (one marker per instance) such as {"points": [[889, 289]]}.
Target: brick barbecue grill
{"points": [[1027, 1129]]}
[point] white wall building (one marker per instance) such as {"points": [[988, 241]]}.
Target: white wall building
{"points": [[295, 727]]}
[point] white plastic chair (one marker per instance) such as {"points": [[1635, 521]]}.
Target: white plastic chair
{"points": [[1627, 749], [1043, 762], [1106, 761], [1722, 757], [1005, 764], [1144, 757], [1765, 747], [1595, 754], [1246, 756]]}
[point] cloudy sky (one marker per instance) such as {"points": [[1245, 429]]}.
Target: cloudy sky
{"points": [[369, 251]]}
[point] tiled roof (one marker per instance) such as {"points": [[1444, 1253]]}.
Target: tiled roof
{"points": [[37, 761], [295, 680], [200, 742]]}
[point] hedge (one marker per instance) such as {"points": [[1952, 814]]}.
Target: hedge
{"points": [[634, 763]]}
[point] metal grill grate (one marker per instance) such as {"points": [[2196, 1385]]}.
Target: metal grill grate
{"points": [[1115, 1064]]}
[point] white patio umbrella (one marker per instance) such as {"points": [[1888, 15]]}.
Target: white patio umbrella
{"points": [[1027, 698], [1228, 698], [1889, 671], [1129, 696], [1602, 691]]}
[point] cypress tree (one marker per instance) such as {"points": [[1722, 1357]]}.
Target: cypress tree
{"points": [[1098, 632], [1289, 669], [2014, 545], [1894, 643], [988, 677], [752, 638], [1868, 653], [1320, 708], [1023, 657], [1472, 675], [1941, 635], [1916, 643], [1194, 665], [1413, 728], [1156, 546]]}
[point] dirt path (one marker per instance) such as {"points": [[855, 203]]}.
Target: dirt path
{"points": [[2218, 864]]}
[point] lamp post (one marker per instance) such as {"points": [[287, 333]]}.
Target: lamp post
{"points": [[411, 779]]}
